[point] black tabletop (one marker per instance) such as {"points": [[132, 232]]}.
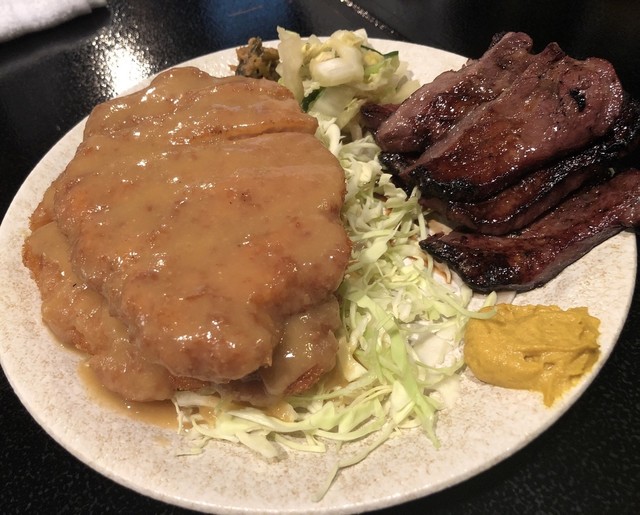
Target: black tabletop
{"points": [[588, 462]]}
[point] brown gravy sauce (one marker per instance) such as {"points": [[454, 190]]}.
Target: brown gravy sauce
{"points": [[157, 413], [194, 238]]}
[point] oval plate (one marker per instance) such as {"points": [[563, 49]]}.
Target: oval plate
{"points": [[486, 425]]}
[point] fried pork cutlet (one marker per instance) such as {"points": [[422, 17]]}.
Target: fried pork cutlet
{"points": [[195, 238]]}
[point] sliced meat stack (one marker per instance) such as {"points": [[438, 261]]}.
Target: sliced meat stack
{"points": [[543, 249], [497, 145]]}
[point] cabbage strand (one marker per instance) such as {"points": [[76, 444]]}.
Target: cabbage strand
{"points": [[399, 354]]}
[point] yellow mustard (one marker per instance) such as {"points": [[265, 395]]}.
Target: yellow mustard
{"points": [[534, 347]]}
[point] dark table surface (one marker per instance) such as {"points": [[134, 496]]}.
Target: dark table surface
{"points": [[588, 462]]}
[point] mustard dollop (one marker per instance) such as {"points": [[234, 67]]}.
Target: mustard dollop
{"points": [[533, 347]]}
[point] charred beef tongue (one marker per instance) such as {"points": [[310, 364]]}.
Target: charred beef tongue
{"points": [[434, 108], [554, 108], [527, 260], [517, 206], [372, 115]]}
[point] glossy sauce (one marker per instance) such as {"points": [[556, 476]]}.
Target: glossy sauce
{"points": [[158, 413], [199, 219]]}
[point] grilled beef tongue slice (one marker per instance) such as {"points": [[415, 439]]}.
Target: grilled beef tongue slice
{"points": [[554, 108], [372, 115], [529, 259], [519, 205], [435, 107]]}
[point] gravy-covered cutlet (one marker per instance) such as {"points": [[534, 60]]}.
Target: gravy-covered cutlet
{"points": [[203, 216]]}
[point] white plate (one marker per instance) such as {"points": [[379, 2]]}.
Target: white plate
{"points": [[485, 426]]}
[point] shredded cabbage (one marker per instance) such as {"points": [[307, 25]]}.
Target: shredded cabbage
{"points": [[399, 352]]}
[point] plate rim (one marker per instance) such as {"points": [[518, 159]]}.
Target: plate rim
{"points": [[26, 195]]}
